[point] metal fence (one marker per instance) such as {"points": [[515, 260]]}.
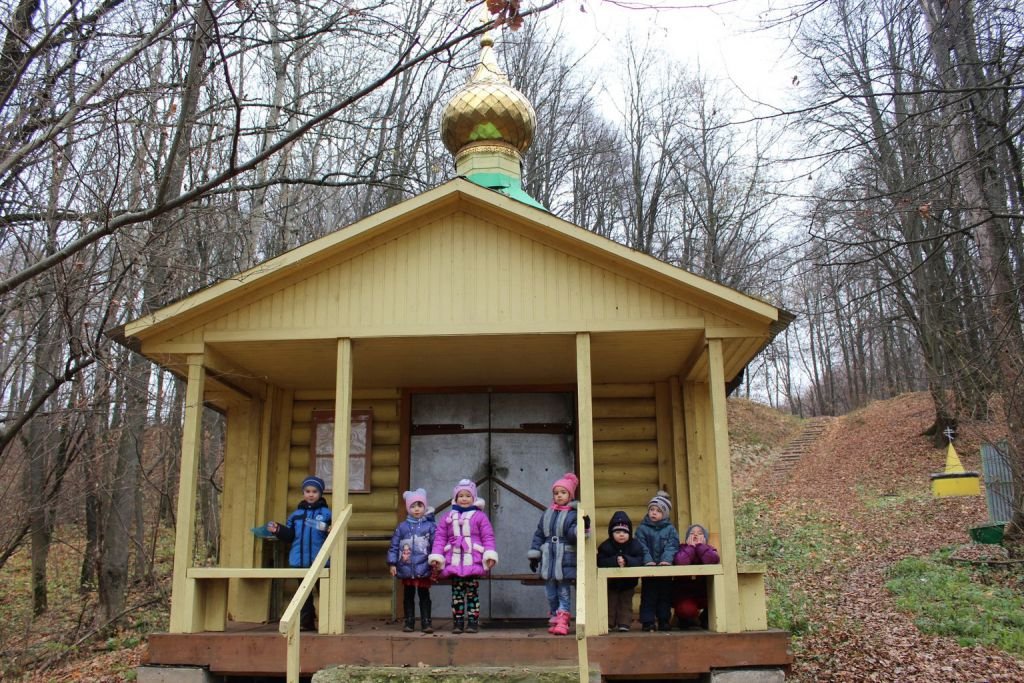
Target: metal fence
{"points": [[995, 464]]}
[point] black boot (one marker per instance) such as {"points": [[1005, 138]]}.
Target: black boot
{"points": [[425, 612], [472, 625], [457, 625], [409, 605], [307, 616]]}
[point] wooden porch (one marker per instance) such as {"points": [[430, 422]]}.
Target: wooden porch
{"points": [[259, 650]]}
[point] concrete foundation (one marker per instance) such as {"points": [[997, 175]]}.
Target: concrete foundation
{"points": [[460, 674], [747, 676], [175, 674]]}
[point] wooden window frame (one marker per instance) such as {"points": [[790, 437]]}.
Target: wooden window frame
{"points": [[321, 448]]}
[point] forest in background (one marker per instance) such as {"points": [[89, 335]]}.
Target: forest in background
{"points": [[148, 149]]}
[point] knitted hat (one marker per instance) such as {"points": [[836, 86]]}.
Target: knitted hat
{"points": [[569, 482], [696, 526], [314, 481], [464, 485], [417, 496], [663, 501], [620, 522]]}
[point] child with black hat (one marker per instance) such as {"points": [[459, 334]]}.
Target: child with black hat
{"points": [[620, 550], [306, 529], [660, 541]]}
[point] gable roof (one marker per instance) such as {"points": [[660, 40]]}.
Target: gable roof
{"points": [[458, 286], [456, 195]]}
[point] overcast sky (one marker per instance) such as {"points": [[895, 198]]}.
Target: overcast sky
{"points": [[724, 38]]}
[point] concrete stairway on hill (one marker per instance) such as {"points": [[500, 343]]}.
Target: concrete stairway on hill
{"points": [[795, 449]]}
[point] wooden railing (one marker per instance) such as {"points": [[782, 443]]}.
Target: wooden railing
{"points": [[289, 626], [583, 556], [751, 598]]}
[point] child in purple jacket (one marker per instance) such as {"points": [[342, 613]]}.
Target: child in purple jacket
{"points": [[691, 592], [408, 558], [464, 551]]}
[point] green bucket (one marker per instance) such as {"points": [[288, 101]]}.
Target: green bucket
{"points": [[987, 533]]}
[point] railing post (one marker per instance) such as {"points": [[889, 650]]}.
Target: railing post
{"points": [[725, 592], [586, 561], [335, 601], [292, 665]]}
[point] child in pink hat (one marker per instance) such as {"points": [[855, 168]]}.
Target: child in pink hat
{"points": [[464, 551], [408, 558], [553, 551]]}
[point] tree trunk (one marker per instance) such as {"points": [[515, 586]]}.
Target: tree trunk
{"points": [[120, 512]]}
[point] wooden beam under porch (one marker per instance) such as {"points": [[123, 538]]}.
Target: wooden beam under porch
{"points": [[258, 650]]}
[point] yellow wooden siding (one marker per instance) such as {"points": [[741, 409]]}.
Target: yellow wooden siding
{"points": [[278, 495], [239, 506], [699, 422], [458, 273]]}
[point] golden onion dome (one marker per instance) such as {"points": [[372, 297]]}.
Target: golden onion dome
{"points": [[487, 109]]}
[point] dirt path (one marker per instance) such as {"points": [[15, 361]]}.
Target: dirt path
{"points": [[869, 477]]}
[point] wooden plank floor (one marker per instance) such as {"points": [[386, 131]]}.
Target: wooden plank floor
{"points": [[258, 650]]}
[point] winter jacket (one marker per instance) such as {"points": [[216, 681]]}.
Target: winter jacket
{"points": [[554, 544], [418, 536], [631, 551], [660, 540], [307, 530], [463, 542], [693, 587], [702, 553]]}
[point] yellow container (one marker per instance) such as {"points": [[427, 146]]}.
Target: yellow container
{"points": [[956, 484]]}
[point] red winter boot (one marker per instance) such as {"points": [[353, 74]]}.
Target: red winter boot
{"points": [[561, 628]]}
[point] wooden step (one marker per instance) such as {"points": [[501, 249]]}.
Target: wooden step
{"points": [[794, 450]]}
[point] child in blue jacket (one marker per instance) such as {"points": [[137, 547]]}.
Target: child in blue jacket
{"points": [[306, 529], [408, 558], [660, 541]]}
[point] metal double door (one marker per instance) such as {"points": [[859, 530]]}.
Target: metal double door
{"points": [[514, 446]]}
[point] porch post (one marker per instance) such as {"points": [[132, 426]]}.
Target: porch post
{"points": [[339, 496], [186, 613], [726, 587], [585, 425]]}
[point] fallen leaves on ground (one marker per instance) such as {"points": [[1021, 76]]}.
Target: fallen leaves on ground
{"points": [[869, 475]]}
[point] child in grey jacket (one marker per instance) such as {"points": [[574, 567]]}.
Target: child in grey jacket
{"points": [[660, 541]]}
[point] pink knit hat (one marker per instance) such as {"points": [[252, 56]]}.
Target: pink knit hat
{"points": [[417, 496], [569, 482], [464, 485]]}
